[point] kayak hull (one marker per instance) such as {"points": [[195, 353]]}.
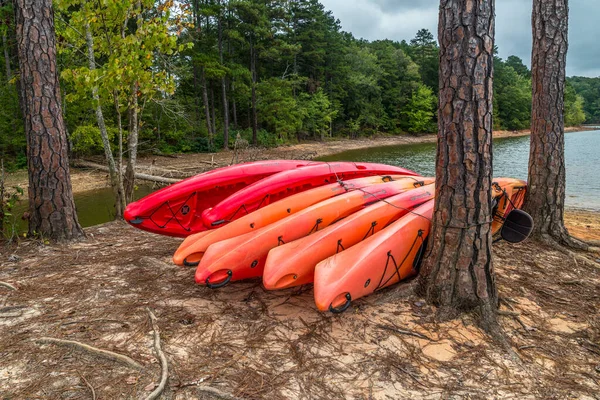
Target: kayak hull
{"points": [[294, 263], [176, 209], [244, 256], [192, 249], [287, 183]]}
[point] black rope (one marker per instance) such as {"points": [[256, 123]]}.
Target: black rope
{"points": [[397, 266], [316, 226], [371, 230], [280, 241], [173, 214], [339, 244]]}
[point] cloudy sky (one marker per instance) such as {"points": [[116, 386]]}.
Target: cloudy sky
{"points": [[401, 19]]}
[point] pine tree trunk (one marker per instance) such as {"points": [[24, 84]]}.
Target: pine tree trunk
{"points": [[51, 206], [234, 106], [206, 105], [457, 274], [254, 115], [112, 169], [6, 58], [212, 110], [223, 85], [545, 198]]}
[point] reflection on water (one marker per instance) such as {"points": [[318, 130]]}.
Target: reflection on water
{"points": [[93, 206], [511, 158]]}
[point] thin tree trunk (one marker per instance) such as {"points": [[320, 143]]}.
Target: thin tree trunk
{"points": [[6, 58], [233, 105], [545, 198], [132, 139], [206, 105], [212, 109], [196, 101], [120, 138], [223, 85], [132, 144], [457, 274], [52, 211], [254, 115], [112, 169]]}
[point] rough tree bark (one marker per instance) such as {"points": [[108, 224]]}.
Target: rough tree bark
{"points": [[545, 198], [457, 273], [51, 207], [115, 174]]}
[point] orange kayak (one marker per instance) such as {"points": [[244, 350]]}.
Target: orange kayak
{"points": [[379, 261], [193, 247], [244, 256], [293, 264], [508, 194], [394, 253]]}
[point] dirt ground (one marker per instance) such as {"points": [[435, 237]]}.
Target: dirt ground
{"points": [[248, 343], [252, 344]]}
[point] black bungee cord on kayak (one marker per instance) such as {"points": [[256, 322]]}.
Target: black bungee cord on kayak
{"points": [[139, 219]]}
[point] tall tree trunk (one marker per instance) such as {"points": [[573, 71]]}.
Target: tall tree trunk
{"points": [[6, 57], [51, 207], [545, 198], [212, 109], [132, 144], [132, 138], [196, 95], [112, 168], [223, 85], [206, 105], [253, 106], [234, 106], [457, 274]]}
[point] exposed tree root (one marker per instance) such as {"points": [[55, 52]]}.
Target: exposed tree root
{"points": [[404, 332], [162, 358], [91, 350], [88, 385], [216, 393], [558, 246], [7, 285]]}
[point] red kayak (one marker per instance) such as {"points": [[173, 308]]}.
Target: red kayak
{"points": [[290, 182], [176, 209]]}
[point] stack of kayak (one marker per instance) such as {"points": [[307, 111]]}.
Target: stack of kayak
{"points": [[351, 228]]}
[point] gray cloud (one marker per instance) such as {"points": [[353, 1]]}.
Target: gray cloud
{"points": [[401, 19]]}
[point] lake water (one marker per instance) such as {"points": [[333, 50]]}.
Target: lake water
{"points": [[511, 159]]}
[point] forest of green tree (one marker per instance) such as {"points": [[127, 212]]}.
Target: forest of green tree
{"points": [[202, 72]]}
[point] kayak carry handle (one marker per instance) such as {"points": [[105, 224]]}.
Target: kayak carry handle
{"points": [[343, 307], [219, 222], [219, 285], [190, 263]]}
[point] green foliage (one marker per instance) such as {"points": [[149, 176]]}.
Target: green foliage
{"points": [[278, 109], [318, 114], [512, 97], [420, 111], [589, 90], [574, 113], [86, 139]]}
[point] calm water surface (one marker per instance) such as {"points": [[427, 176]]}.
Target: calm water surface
{"points": [[511, 158]]}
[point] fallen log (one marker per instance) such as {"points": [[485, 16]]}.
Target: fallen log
{"points": [[138, 175]]}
